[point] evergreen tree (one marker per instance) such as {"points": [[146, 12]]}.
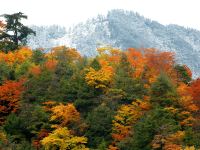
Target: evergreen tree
{"points": [[183, 74], [100, 126], [156, 122], [163, 92], [124, 80], [38, 57], [15, 33]]}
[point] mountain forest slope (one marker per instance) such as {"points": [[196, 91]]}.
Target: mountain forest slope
{"points": [[119, 100], [126, 97]]}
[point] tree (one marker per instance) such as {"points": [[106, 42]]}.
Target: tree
{"points": [[124, 80], [15, 33], [10, 94], [20, 127], [99, 126], [163, 92], [127, 115], [63, 140], [5, 71], [17, 57], [184, 73], [185, 97], [95, 65], [157, 62], [195, 91], [125, 118], [137, 60], [101, 78], [65, 114], [65, 54], [38, 56], [156, 123]]}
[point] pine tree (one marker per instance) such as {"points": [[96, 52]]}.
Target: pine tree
{"points": [[163, 92], [15, 33]]}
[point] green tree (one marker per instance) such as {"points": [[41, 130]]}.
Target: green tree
{"points": [[4, 72], [157, 122], [192, 137], [163, 92], [38, 56], [21, 127], [183, 74], [95, 64], [100, 126], [15, 33], [124, 80]]}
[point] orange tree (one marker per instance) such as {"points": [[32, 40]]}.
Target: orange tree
{"points": [[10, 93]]}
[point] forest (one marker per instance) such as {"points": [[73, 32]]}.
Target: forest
{"points": [[134, 99]]}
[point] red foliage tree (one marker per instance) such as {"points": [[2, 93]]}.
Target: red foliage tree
{"points": [[10, 93], [137, 60], [195, 91], [157, 62], [42, 134]]}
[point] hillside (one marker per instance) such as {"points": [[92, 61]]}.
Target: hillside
{"points": [[118, 100], [114, 82]]}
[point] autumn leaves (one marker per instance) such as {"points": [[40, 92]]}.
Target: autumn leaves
{"points": [[138, 98]]}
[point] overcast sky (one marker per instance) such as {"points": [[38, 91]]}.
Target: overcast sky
{"points": [[69, 12]]}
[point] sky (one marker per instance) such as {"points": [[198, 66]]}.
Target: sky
{"points": [[69, 12]]}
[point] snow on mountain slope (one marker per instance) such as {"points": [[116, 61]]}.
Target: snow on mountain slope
{"points": [[47, 36], [124, 29]]}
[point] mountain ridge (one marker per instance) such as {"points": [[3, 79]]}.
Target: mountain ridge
{"points": [[124, 29]]}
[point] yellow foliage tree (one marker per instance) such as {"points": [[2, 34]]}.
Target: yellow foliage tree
{"points": [[101, 78], [63, 140], [65, 114], [127, 115]]}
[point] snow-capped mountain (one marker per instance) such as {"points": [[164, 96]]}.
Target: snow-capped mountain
{"points": [[124, 29], [46, 36]]}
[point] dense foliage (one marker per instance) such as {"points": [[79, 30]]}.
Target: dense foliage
{"points": [[138, 99]]}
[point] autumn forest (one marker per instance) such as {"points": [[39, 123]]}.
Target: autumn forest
{"points": [[57, 99]]}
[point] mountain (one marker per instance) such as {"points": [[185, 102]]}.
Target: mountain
{"points": [[124, 29], [46, 36]]}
